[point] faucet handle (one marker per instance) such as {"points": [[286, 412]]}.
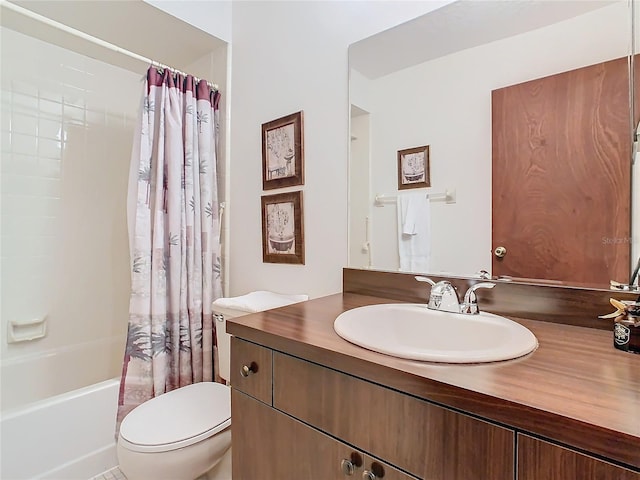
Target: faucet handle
{"points": [[470, 302], [443, 295]]}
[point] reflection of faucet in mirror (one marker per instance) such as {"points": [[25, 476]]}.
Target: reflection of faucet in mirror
{"points": [[632, 285], [444, 296], [484, 275]]}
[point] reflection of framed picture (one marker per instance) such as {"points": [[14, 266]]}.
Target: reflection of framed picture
{"points": [[283, 152], [282, 228], [413, 168]]}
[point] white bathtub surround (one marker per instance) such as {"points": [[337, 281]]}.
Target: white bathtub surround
{"points": [[83, 364], [65, 145], [66, 437]]}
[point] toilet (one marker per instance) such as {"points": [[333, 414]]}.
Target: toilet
{"points": [[185, 434], [180, 435]]}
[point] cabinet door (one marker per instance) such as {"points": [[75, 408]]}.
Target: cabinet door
{"points": [[271, 445], [538, 459], [423, 439]]}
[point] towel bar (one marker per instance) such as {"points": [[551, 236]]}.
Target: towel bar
{"points": [[448, 196]]}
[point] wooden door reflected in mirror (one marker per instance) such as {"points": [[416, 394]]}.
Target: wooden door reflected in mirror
{"points": [[561, 176]]}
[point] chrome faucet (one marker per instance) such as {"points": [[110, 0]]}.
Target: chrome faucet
{"points": [[444, 296]]}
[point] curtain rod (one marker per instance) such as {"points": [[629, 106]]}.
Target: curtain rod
{"points": [[85, 36]]}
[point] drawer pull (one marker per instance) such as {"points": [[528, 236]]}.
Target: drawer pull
{"points": [[347, 466], [377, 471], [247, 370]]}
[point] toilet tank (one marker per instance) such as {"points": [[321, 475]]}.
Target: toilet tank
{"points": [[231, 307]]}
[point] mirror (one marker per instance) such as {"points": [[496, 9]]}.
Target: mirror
{"points": [[429, 82]]}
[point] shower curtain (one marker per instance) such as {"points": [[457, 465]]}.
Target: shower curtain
{"points": [[174, 230]]}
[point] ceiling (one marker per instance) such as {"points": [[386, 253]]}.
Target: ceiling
{"points": [[437, 33], [132, 25]]}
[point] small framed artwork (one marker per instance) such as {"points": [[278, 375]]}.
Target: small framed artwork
{"points": [[283, 152], [283, 228], [413, 168]]}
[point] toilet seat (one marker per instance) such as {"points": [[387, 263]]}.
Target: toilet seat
{"points": [[178, 418]]}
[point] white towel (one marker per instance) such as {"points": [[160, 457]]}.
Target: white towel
{"points": [[258, 301], [414, 232]]}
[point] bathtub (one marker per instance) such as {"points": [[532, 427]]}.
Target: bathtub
{"points": [[66, 437]]}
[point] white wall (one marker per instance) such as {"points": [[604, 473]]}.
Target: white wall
{"points": [[359, 90], [360, 203], [213, 17], [446, 103], [67, 128], [286, 57]]}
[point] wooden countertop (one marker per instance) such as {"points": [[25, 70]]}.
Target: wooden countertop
{"points": [[575, 388]]}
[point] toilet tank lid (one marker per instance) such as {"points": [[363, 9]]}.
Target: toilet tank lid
{"points": [[178, 418], [257, 301]]}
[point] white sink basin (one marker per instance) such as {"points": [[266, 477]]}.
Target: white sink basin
{"points": [[414, 332]]}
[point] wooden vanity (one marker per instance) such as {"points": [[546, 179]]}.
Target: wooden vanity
{"points": [[307, 404]]}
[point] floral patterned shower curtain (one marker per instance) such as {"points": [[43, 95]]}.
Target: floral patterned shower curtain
{"points": [[175, 240]]}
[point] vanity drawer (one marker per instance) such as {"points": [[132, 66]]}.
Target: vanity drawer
{"points": [[421, 438], [542, 459], [251, 369]]}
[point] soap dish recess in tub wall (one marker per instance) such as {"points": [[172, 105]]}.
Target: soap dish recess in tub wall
{"points": [[26, 330]]}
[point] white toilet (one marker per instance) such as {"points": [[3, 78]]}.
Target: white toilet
{"points": [[180, 435], [185, 434]]}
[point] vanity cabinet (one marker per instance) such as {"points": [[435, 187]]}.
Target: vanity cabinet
{"points": [[273, 445], [296, 419], [539, 459], [564, 412], [292, 431]]}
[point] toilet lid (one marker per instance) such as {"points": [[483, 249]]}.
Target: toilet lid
{"points": [[178, 418]]}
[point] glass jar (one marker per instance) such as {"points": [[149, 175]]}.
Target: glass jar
{"points": [[626, 329]]}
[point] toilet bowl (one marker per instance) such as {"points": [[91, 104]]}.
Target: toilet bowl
{"points": [[180, 435], [185, 434]]}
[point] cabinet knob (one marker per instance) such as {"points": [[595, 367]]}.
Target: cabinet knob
{"points": [[347, 466], [247, 370], [368, 475]]}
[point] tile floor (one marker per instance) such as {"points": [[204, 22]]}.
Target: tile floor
{"points": [[113, 474]]}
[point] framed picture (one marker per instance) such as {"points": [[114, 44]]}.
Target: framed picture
{"points": [[282, 228], [413, 168], [283, 152]]}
